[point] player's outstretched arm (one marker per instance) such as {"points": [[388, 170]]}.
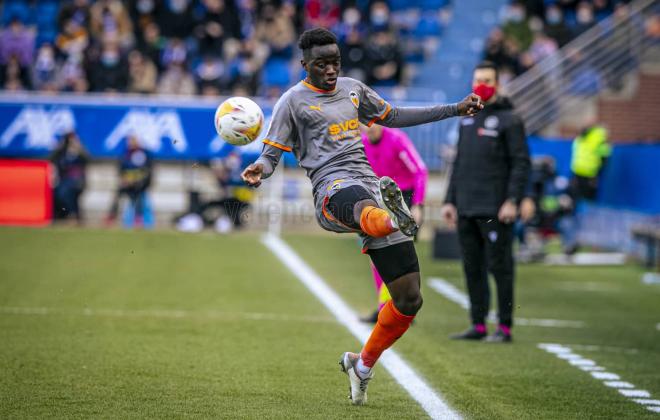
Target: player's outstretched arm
{"points": [[409, 116]]}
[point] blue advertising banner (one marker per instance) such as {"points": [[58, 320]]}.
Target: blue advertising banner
{"points": [[174, 129]]}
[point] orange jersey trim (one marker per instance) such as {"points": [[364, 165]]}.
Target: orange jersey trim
{"points": [[279, 146], [382, 117], [317, 90]]}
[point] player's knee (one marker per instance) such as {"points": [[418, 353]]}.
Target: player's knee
{"points": [[409, 303]]}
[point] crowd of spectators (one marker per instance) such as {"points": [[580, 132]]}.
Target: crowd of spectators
{"points": [[206, 47], [534, 29]]}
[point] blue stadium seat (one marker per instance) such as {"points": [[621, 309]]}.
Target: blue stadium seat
{"points": [[433, 4], [276, 73], [17, 9], [428, 25]]}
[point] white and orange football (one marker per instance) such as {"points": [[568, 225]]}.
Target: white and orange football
{"points": [[239, 121]]}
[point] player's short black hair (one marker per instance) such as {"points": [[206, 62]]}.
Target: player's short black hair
{"points": [[489, 65], [316, 37]]}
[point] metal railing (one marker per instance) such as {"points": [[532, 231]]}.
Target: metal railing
{"points": [[598, 59]]}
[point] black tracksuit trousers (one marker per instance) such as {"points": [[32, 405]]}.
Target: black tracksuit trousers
{"points": [[487, 246]]}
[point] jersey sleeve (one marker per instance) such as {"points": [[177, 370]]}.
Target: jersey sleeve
{"points": [[280, 132], [372, 107]]}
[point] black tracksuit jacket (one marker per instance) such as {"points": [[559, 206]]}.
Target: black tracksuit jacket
{"points": [[492, 162]]}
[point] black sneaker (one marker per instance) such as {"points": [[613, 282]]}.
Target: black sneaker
{"points": [[499, 337], [469, 334], [370, 319]]}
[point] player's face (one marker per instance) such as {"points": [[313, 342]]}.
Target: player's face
{"points": [[322, 65]]}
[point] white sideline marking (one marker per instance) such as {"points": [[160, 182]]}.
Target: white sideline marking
{"points": [[639, 393], [434, 405], [657, 326], [606, 376], [163, 313], [619, 384], [647, 402], [452, 293], [639, 396]]}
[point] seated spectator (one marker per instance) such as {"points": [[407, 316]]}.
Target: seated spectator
{"points": [[152, 44], [275, 29], [585, 18], [516, 25], [73, 40], [542, 47], [243, 69], [109, 71], [135, 173], [175, 52], [379, 17], [17, 41], [176, 80], [384, 58], [13, 76], [72, 76], [142, 73], [110, 18], [353, 55], [556, 27], [44, 71], [324, 13], [70, 160], [209, 75], [175, 18], [76, 10], [219, 23]]}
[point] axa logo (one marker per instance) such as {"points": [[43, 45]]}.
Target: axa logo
{"points": [[40, 127], [151, 128]]}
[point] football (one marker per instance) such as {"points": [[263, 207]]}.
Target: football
{"points": [[239, 121]]}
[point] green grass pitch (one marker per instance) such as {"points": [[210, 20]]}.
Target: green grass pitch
{"points": [[116, 324]]}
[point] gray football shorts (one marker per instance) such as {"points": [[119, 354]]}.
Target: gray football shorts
{"points": [[328, 188]]}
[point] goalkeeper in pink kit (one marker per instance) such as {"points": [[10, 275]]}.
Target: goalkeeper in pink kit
{"points": [[391, 153]]}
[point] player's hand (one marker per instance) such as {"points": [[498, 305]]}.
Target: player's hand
{"points": [[470, 105], [449, 215], [527, 209], [252, 174], [417, 212], [508, 212]]}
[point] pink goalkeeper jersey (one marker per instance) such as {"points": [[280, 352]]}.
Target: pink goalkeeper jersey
{"points": [[395, 156]]}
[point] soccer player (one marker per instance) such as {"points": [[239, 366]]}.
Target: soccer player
{"points": [[318, 119], [391, 153]]}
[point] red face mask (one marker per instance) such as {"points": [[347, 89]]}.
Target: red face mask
{"points": [[485, 92]]}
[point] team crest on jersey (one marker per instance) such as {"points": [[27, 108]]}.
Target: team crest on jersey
{"points": [[491, 122], [355, 98]]}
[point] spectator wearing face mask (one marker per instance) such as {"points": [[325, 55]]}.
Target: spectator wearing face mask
{"points": [[555, 26], [109, 71], [175, 18], [44, 70], [584, 17], [516, 26], [385, 59]]}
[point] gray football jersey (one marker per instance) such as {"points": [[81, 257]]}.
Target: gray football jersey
{"points": [[321, 128]]}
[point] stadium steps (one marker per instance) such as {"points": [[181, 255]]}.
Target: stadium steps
{"points": [[450, 70]]}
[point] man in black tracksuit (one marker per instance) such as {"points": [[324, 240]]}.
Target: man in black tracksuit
{"points": [[487, 184]]}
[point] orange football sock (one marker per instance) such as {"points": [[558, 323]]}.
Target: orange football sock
{"points": [[376, 222], [390, 326]]}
